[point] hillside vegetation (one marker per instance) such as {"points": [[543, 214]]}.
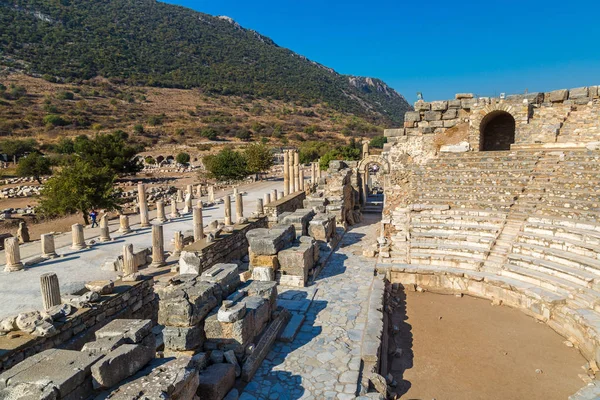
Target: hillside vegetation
{"points": [[148, 43]]}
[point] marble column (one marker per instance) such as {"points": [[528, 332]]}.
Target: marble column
{"points": [[364, 187], [179, 195], [301, 179], [266, 198], [228, 210], [174, 212], [280, 195], [48, 248], [188, 204], [50, 290], [143, 204], [77, 235], [319, 176], [160, 211], [198, 224], [104, 230], [260, 210], [124, 224], [274, 195], [178, 244], [190, 190], [129, 267], [286, 173], [198, 191], [211, 194], [297, 186], [13, 255], [158, 247], [365, 150], [239, 208], [291, 171], [313, 173]]}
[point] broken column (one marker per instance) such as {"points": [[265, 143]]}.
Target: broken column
{"points": [[297, 186], [266, 198], [301, 179], [188, 204], [313, 173], [198, 191], [158, 247], [274, 196], [124, 224], [286, 173], [160, 212], [228, 210], [179, 196], [260, 210], [48, 249], [198, 224], [211, 194], [143, 204], [13, 255], [190, 190], [50, 290], [129, 265], [239, 208], [178, 244], [174, 211], [291, 171], [319, 176], [104, 229], [77, 235]]}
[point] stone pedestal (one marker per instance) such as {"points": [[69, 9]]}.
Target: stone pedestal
{"points": [[78, 239], [259, 207], [198, 224], [13, 255], [158, 247], [174, 212], [228, 210], [160, 212], [143, 204], [124, 224], [50, 290], [48, 249], [104, 230], [178, 244], [239, 207], [266, 198], [286, 173], [129, 266]]}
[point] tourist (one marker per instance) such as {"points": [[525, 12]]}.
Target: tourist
{"points": [[93, 216]]}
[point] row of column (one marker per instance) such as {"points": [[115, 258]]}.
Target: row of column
{"points": [[293, 175]]}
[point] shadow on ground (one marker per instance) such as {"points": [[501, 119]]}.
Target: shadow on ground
{"points": [[400, 341]]}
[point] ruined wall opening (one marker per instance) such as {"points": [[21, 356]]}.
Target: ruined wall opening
{"points": [[497, 131]]}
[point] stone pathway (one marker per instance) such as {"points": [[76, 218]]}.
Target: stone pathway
{"points": [[323, 361]]}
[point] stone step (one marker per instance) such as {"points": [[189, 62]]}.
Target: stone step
{"points": [[291, 329], [575, 275]]}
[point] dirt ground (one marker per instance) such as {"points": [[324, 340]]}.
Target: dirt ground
{"points": [[465, 348]]}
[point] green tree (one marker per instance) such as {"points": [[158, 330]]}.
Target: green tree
{"points": [[138, 128], [351, 152], [79, 188], [313, 150], [55, 120], [259, 158], [226, 164], [34, 165], [209, 133], [182, 158], [378, 142], [65, 146], [16, 148], [110, 150]]}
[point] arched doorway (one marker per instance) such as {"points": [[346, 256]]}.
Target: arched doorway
{"points": [[497, 131], [372, 171]]}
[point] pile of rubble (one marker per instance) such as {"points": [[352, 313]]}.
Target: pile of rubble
{"points": [[20, 191]]}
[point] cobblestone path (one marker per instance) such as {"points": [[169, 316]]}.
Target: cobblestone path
{"points": [[323, 361]]}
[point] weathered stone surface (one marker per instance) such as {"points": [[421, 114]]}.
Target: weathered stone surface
{"points": [[432, 116], [454, 104], [216, 381], [227, 276], [270, 241], [257, 260], [322, 227], [298, 261], [450, 114], [121, 363], [412, 116], [455, 148], [460, 96], [300, 219], [189, 263], [232, 359], [263, 274], [186, 300], [578, 93], [59, 312], [61, 370], [558, 95], [104, 345], [100, 287], [132, 330], [229, 312], [183, 338], [422, 106], [439, 105]]}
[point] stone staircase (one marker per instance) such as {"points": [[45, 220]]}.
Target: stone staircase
{"points": [[374, 205]]}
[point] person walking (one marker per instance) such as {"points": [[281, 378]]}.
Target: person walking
{"points": [[93, 216]]}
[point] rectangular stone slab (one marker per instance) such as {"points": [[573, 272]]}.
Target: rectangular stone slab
{"points": [[133, 330], [225, 275], [121, 363]]}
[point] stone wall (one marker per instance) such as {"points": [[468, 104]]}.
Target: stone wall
{"points": [[560, 116], [227, 247], [128, 300], [289, 203]]}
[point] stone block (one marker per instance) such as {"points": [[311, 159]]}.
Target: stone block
{"points": [[422, 106], [269, 241], [393, 132], [439, 105], [409, 124], [322, 227], [578, 93], [189, 263], [185, 302], [256, 260], [582, 100], [227, 276], [412, 116], [132, 330], [174, 380], [460, 96], [216, 381], [266, 290], [231, 312], [433, 115], [297, 261], [455, 148], [451, 123], [121, 363], [558, 95], [263, 274], [467, 104], [52, 371], [104, 345], [300, 219], [436, 124], [183, 338], [594, 91], [454, 104], [451, 113]]}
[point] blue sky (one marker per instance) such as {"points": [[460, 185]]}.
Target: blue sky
{"points": [[436, 47]]}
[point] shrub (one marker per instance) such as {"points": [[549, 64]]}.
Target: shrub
{"points": [[183, 158], [64, 95], [378, 142], [55, 120], [138, 128]]}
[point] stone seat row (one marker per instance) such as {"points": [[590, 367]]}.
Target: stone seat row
{"points": [[483, 203], [567, 213]]}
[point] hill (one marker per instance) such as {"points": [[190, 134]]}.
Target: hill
{"points": [[144, 42]]}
